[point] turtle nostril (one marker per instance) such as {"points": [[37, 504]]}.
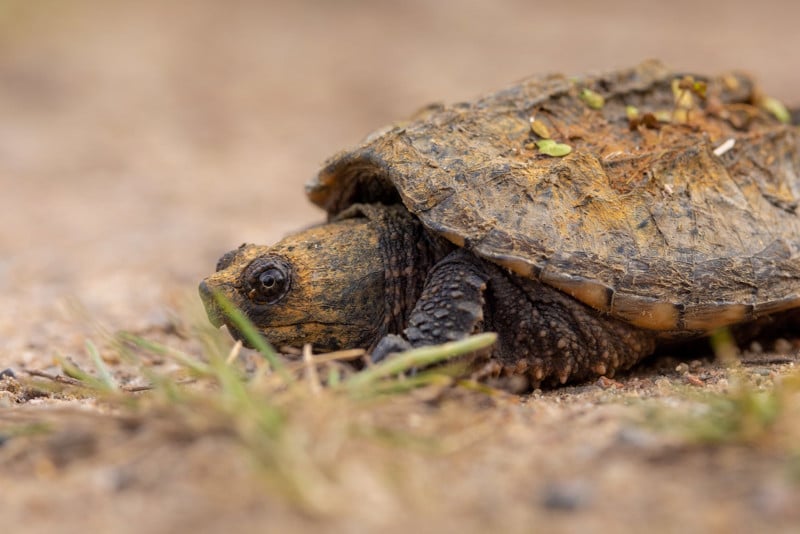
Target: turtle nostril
{"points": [[205, 291]]}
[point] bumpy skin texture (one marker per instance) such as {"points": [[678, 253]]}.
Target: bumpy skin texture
{"points": [[667, 226], [645, 223], [543, 334]]}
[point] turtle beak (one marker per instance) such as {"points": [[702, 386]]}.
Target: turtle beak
{"points": [[210, 303]]}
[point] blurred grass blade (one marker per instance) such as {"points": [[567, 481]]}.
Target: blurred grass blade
{"points": [[243, 403], [726, 351], [334, 377], [73, 371], [251, 334], [420, 357], [396, 387], [185, 360], [102, 369]]}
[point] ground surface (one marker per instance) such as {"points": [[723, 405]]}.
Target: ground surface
{"points": [[139, 141]]}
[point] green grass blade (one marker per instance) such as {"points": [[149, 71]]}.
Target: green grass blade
{"points": [[102, 369], [724, 346], [399, 387], [251, 334], [73, 371], [420, 357], [334, 377], [182, 358]]}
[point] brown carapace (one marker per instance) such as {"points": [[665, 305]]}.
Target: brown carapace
{"points": [[670, 210]]}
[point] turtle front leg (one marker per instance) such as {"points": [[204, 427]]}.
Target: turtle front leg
{"points": [[543, 334], [450, 307]]}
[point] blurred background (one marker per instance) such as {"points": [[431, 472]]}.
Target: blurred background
{"points": [[139, 140]]}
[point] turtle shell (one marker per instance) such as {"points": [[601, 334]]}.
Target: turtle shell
{"points": [[675, 210]]}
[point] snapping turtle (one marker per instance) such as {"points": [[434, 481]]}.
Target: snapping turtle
{"points": [[668, 209]]}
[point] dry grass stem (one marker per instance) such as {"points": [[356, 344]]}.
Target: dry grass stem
{"points": [[234, 353], [310, 368]]}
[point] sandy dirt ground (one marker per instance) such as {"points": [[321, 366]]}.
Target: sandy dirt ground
{"points": [[141, 140]]}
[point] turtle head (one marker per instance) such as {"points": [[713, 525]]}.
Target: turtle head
{"points": [[324, 286]]}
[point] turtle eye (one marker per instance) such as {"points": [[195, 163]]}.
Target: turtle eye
{"points": [[267, 280]]}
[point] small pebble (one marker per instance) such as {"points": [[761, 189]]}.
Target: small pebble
{"points": [[7, 373], [566, 496], [606, 383], [113, 479], [694, 380], [636, 437], [682, 368], [663, 385], [756, 348], [782, 346], [517, 384]]}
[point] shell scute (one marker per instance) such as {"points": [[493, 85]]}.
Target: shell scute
{"points": [[676, 208]]}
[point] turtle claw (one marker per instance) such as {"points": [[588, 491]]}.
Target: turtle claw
{"points": [[389, 344]]}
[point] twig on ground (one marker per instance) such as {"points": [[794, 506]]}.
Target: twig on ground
{"points": [[55, 378]]}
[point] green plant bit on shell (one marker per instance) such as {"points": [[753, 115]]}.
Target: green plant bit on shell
{"points": [[663, 116], [776, 108], [684, 89], [697, 87], [592, 99], [540, 128], [552, 148]]}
